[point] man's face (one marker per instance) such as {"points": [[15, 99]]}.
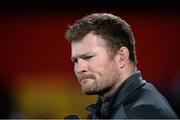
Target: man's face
{"points": [[93, 66]]}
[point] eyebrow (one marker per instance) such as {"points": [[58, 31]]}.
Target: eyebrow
{"points": [[82, 55]]}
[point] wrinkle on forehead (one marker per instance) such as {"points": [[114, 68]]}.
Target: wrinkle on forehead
{"points": [[88, 43]]}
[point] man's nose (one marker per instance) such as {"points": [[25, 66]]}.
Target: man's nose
{"points": [[81, 66]]}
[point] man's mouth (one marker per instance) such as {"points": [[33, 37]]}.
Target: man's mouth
{"points": [[85, 80], [86, 77]]}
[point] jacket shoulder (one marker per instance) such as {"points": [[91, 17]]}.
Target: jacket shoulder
{"points": [[147, 102]]}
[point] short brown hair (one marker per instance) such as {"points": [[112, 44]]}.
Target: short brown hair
{"points": [[113, 29]]}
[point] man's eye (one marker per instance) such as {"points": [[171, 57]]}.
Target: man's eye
{"points": [[74, 60], [88, 57]]}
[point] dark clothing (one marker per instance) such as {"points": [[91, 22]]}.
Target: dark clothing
{"points": [[134, 98]]}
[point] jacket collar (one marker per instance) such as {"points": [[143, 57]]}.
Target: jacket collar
{"points": [[128, 86]]}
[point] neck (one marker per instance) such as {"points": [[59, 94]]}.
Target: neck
{"points": [[124, 74]]}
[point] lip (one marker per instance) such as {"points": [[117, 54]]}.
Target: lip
{"points": [[86, 77], [85, 80]]}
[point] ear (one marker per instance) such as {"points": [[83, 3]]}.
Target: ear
{"points": [[122, 57]]}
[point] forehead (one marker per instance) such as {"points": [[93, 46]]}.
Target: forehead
{"points": [[89, 43]]}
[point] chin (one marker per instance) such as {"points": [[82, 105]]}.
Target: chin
{"points": [[90, 92], [96, 92]]}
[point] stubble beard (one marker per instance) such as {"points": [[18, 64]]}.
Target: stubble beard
{"points": [[100, 88], [92, 89]]}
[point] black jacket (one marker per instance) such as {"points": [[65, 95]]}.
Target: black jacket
{"points": [[134, 98]]}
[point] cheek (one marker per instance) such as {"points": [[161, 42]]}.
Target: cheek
{"points": [[98, 66], [75, 71]]}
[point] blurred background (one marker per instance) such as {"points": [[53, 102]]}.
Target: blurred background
{"points": [[36, 73]]}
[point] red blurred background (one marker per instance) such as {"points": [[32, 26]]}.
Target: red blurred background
{"points": [[36, 73]]}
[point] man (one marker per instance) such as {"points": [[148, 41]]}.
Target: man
{"points": [[103, 53]]}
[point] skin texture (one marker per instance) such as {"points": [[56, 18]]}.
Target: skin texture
{"points": [[97, 71]]}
